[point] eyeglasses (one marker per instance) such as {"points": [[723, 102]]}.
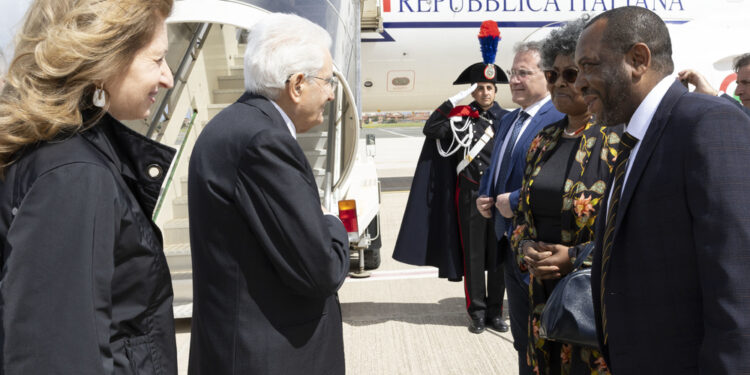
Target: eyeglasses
{"points": [[568, 75], [332, 82], [521, 74]]}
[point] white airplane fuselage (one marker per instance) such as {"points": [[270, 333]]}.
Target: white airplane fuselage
{"points": [[425, 44]]}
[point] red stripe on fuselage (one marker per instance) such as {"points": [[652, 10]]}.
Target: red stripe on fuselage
{"points": [[386, 5]]}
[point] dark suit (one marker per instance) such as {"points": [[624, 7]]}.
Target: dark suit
{"points": [[266, 262], [516, 287], [677, 295], [738, 104]]}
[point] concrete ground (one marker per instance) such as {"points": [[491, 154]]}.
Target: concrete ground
{"points": [[403, 319]]}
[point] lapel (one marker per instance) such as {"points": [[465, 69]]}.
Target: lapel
{"points": [[531, 130], [502, 132], [648, 145]]}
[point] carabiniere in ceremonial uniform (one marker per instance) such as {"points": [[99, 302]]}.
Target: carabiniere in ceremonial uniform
{"points": [[465, 134]]}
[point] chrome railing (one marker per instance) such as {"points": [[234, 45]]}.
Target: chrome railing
{"points": [[175, 163], [180, 75]]}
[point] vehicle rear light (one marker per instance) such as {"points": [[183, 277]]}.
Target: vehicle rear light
{"points": [[348, 215]]}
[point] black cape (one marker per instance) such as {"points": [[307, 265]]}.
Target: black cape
{"points": [[429, 234]]}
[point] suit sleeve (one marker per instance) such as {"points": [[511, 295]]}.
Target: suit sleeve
{"points": [[438, 125], [56, 289], [736, 103], [717, 181], [484, 182], [279, 198], [515, 195]]}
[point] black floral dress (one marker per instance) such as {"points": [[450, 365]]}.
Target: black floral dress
{"points": [[585, 184]]}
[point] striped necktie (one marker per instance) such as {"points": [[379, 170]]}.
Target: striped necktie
{"points": [[505, 160], [627, 142]]}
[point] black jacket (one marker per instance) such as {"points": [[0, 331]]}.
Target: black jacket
{"points": [[85, 285], [266, 262], [676, 290], [429, 230]]}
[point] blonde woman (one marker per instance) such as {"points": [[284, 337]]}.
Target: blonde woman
{"points": [[84, 287]]}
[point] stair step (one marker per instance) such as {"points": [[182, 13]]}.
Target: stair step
{"points": [[316, 158], [180, 206], [183, 290], [235, 82], [227, 95], [313, 141], [182, 309], [176, 231], [237, 71], [178, 258], [184, 185]]}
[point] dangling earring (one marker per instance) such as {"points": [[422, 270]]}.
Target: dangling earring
{"points": [[100, 97]]}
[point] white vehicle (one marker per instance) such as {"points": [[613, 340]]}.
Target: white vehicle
{"points": [[206, 56], [418, 47]]}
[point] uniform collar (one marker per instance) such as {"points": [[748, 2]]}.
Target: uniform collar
{"points": [[495, 110]]}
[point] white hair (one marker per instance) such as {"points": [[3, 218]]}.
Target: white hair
{"points": [[281, 45]]}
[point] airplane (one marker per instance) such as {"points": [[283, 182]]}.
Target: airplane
{"points": [[412, 50], [206, 56]]}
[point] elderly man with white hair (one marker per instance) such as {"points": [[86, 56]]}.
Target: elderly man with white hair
{"points": [[267, 259]]}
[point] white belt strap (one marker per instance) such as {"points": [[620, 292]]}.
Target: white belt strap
{"points": [[476, 149]]}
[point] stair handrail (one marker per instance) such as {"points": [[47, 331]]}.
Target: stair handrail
{"points": [[173, 168], [186, 64]]}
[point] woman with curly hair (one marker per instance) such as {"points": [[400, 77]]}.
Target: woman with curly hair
{"points": [[567, 167], [84, 286]]}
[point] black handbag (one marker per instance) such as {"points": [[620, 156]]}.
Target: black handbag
{"points": [[568, 315]]}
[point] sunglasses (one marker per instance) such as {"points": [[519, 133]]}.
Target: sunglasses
{"points": [[569, 75]]}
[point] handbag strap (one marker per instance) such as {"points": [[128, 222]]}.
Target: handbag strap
{"points": [[583, 255]]}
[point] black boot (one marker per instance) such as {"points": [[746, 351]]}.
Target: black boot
{"points": [[476, 325]]}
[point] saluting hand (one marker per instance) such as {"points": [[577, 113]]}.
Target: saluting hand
{"points": [[455, 99]]}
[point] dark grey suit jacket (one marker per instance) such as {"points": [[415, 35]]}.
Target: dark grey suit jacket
{"points": [[677, 292], [266, 262], [738, 104]]}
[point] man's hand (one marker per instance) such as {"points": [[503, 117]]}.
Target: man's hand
{"points": [[455, 99], [698, 80], [548, 261], [484, 205], [502, 202]]}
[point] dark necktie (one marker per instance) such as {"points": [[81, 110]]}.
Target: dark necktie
{"points": [[505, 160], [627, 142]]}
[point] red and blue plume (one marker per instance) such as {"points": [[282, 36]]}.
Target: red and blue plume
{"points": [[489, 36]]}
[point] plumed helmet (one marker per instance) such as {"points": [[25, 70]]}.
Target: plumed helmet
{"points": [[486, 71]]}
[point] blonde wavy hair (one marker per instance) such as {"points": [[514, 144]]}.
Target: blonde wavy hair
{"points": [[64, 49]]}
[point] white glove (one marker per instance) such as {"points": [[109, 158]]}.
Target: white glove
{"points": [[455, 99]]}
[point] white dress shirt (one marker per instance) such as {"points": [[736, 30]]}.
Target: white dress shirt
{"points": [[640, 121], [287, 120], [531, 110], [642, 117]]}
